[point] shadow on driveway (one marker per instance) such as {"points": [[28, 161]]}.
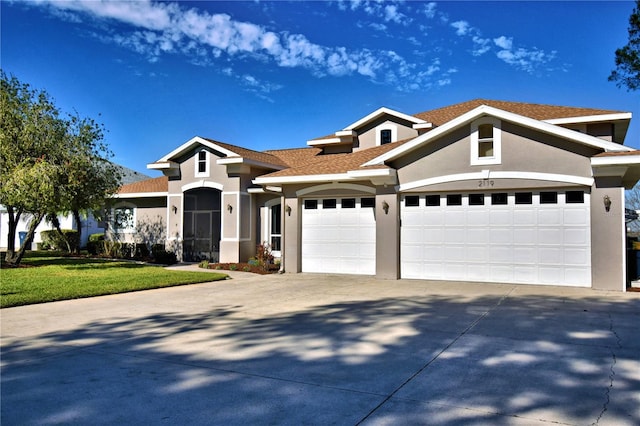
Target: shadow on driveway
{"points": [[348, 356]]}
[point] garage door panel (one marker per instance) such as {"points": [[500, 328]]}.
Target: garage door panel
{"points": [[338, 240], [524, 217], [500, 236], [455, 218], [520, 243]]}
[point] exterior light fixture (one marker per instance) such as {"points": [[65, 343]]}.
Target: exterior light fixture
{"points": [[174, 208], [229, 208], [607, 203], [385, 207], [287, 208]]}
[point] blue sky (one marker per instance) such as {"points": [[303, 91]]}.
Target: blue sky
{"points": [[271, 75]]}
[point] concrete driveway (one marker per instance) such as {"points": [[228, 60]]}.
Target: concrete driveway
{"points": [[326, 349]]}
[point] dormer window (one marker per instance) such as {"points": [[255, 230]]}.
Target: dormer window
{"points": [[202, 163], [385, 136], [386, 133], [486, 142]]}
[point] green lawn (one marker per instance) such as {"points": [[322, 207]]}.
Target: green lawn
{"points": [[47, 278]]}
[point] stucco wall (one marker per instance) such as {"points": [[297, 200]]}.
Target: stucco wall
{"points": [[367, 136], [608, 251], [522, 150]]}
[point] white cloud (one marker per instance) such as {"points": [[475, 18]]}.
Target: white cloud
{"points": [[462, 27], [429, 10], [158, 29], [503, 42]]}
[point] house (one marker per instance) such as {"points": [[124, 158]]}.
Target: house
{"points": [[484, 190]]}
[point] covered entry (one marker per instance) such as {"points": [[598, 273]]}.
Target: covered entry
{"points": [[339, 235], [540, 237], [201, 225]]}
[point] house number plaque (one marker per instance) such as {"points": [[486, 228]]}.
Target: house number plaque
{"points": [[485, 183]]}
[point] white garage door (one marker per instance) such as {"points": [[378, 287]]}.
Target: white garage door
{"points": [[339, 236], [516, 237]]}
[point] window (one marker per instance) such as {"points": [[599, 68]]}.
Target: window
{"points": [[499, 198], [310, 204], [368, 202], [454, 200], [348, 203], [476, 199], [548, 197], [124, 219], [202, 163], [432, 200], [524, 197], [574, 197], [412, 201], [385, 136], [329, 204], [275, 229], [386, 133], [486, 142]]}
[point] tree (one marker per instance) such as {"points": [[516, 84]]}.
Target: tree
{"points": [[31, 137], [47, 164], [89, 177], [627, 72]]}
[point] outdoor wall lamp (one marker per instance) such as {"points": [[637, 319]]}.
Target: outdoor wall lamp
{"points": [[174, 208], [229, 208], [287, 209], [385, 207], [607, 203]]}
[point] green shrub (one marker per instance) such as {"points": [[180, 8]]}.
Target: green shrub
{"points": [[96, 237], [247, 269], [51, 239], [204, 264], [233, 267], [165, 257]]}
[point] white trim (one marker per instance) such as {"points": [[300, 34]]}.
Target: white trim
{"points": [[380, 112], [193, 141], [328, 141], [487, 174], [591, 118], [166, 165], [141, 195], [333, 186], [241, 160], [419, 126], [373, 174], [496, 140], [478, 112], [615, 161], [301, 179], [202, 184]]}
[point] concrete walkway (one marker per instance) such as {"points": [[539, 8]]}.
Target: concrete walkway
{"points": [[325, 349]]}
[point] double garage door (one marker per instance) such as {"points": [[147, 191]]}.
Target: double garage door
{"points": [[511, 237], [339, 235]]}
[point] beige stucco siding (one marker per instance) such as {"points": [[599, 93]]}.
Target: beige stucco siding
{"points": [[522, 151], [608, 251], [151, 221], [367, 136]]}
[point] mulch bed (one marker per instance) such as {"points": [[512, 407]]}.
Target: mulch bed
{"points": [[245, 267]]}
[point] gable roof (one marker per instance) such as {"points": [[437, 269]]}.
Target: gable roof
{"points": [[485, 110], [536, 111], [334, 166], [229, 151]]}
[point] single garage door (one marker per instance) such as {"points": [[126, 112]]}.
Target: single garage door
{"points": [[339, 235], [509, 237]]}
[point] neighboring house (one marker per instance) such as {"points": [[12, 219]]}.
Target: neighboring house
{"points": [[484, 190], [89, 224]]}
